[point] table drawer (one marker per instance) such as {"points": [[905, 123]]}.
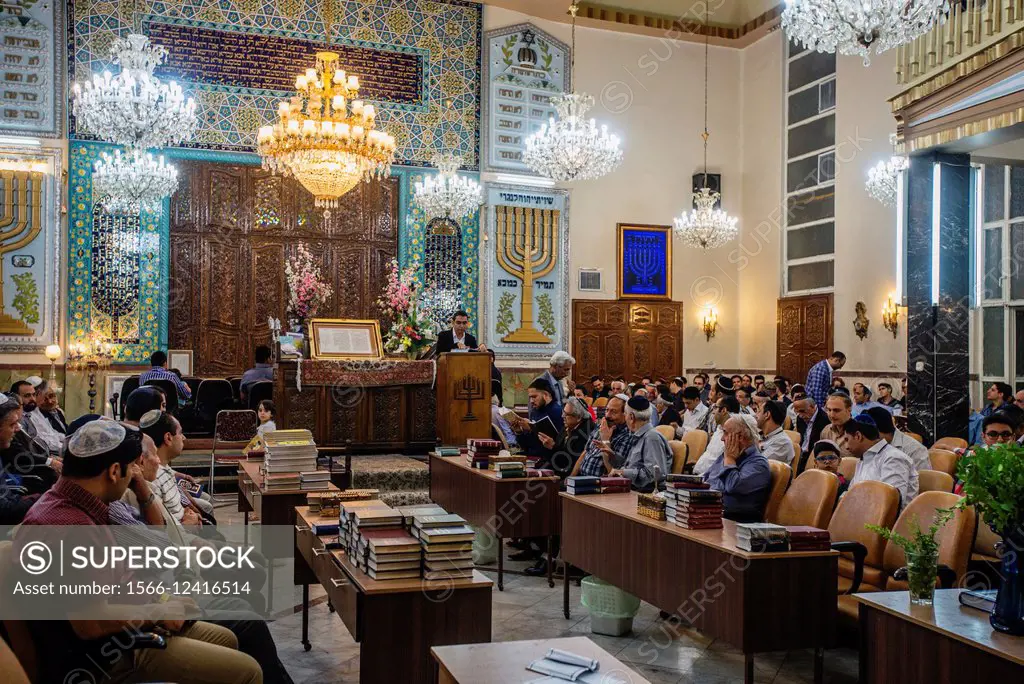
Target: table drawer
{"points": [[305, 542], [342, 593]]}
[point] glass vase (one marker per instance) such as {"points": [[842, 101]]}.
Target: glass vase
{"points": [[1008, 614], [921, 571]]}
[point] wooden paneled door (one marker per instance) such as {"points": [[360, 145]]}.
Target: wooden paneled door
{"points": [[804, 335], [231, 229], [627, 338]]}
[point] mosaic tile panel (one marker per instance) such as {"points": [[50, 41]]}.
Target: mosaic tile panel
{"points": [[443, 34]]}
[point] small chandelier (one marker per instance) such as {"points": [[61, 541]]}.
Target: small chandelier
{"points": [[325, 137], [134, 108], [705, 226], [572, 147], [447, 197], [884, 177], [133, 183], [854, 27]]}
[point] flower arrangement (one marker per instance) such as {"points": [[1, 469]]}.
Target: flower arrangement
{"points": [[307, 290], [410, 329]]}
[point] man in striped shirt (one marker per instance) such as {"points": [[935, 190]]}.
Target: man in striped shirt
{"points": [[159, 371], [165, 431]]}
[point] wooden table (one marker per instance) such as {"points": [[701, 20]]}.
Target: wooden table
{"points": [[275, 507], [755, 601], [396, 622], [505, 663], [939, 644], [508, 507]]}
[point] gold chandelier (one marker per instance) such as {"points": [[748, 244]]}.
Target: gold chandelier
{"points": [[325, 137]]}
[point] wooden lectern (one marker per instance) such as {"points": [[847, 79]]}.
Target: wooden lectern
{"points": [[463, 397]]}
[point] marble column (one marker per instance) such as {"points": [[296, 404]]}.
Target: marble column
{"points": [[938, 334]]}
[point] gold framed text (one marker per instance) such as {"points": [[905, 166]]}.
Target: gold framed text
{"points": [[345, 339]]}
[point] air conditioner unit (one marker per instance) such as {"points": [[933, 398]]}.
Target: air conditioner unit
{"points": [[590, 280]]}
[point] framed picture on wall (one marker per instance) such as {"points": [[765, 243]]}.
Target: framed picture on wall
{"points": [[113, 383], [180, 359], [345, 339], [645, 261]]}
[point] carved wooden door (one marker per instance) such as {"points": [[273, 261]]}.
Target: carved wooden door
{"points": [[805, 333], [628, 339], [233, 227]]}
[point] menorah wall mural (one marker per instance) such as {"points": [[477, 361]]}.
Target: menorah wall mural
{"points": [[29, 238], [645, 262], [526, 271]]}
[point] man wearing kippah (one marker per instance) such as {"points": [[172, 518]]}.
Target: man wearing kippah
{"points": [[879, 460], [645, 463], [917, 452]]}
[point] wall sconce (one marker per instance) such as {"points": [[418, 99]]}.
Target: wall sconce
{"points": [[53, 353], [891, 317], [710, 323]]}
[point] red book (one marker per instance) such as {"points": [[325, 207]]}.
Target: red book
{"points": [[805, 532], [615, 482], [688, 485], [701, 525], [615, 490]]}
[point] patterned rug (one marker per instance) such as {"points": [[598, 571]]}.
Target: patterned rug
{"points": [[400, 479]]}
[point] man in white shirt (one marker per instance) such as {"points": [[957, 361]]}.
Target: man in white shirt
{"points": [[775, 443], [917, 452], [879, 460], [724, 409], [45, 399], [695, 415]]}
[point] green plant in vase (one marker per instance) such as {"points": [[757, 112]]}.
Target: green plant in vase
{"points": [[993, 482], [922, 552]]}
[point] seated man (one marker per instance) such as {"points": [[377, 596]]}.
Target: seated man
{"points": [[14, 501], [608, 447], [741, 473], [879, 460], [165, 431], [725, 408], [27, 455], [862, 400], [543, 409], [261, 372], [997, 428], [838, 408], [597, 388], [667, 414], [96, 473], [676, 387], [696, 414], [775, 444], [917, 452], [645, 464], [158, 371], [49, 433]]}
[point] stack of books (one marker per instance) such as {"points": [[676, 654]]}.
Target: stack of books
{"points": [[315, 480], [693, 506], [346, 516], [275, 482], [358, 494], [289, 451], [388, 553], [582, 484], [614, 485], [806, 538], [481, 451], [539, 472], [761, 537], [448, 451], [508, 466], [447, 544], [412, 510]]}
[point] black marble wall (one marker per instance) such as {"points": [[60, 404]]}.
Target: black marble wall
{"points": [[938, 335]]}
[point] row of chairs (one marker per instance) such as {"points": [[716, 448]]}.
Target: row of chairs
{"points": [[209, 397]]}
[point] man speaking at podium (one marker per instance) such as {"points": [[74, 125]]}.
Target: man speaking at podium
{"points": [[457, 339]]}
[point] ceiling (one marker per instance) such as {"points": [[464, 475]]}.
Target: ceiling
{"points": [[727, 12]]}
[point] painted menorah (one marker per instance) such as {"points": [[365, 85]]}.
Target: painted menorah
{"points": [[527, 249], [644, 262], [20, 223], [467, 389]]}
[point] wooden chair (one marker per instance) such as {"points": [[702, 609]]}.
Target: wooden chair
{"points": [[848, 467], [809, 500], [861, 563], [666, 431], [950, 443], [781, 476], [955, 538], [600, 402], [787, 424], [794, 436], [943, 460], [934, 481], [914, 435], [696, 443], [680, 455]]}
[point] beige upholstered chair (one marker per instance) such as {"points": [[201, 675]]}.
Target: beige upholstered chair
{"points": [[848, 467], [781, 475], [943, 460], [667, 431], [934, 481], [600, 402], [955, 538], [985, 543], [680, 454], [950, 443], [696, 443], [914, 435], [809, 500]]}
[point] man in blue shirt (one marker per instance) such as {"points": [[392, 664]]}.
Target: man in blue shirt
{"points": [[819, 378], [741, 473], [264, 370], [542, 406], [158, 361], [862, 400]]}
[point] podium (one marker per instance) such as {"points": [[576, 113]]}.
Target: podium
{"points": [[463, 397]]}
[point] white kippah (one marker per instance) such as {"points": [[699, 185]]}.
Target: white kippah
{"points": [[34, 380], [4, 398], [97, 437]]}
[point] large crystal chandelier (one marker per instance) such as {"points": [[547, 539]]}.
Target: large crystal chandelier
{"points": [[572, 147], [854, 27], [132, 183], [135, 108], [325, 137], [883, 178], [447, 197], [706, 226]]}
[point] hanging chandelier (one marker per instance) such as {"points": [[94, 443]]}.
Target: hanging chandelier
{"points": [[447, 197], [706, 226], [325, 137], [135, 109], [133, 183], [855, 27], [883, 178], [572, 147]]}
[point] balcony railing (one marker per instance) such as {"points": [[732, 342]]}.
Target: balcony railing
{"points": [[970, 27]]}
